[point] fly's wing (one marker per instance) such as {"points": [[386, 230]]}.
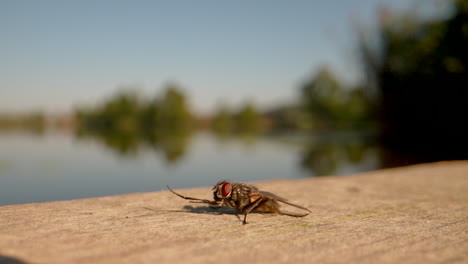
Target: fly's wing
{"points": [[282, 200], [252, 187], [267, 204]]}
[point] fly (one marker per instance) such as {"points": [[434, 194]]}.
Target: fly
{"points": [[245, 198]]}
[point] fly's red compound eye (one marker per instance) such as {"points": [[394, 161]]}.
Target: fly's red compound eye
{"points": [[226, 189]]}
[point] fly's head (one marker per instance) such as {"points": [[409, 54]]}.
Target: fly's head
{"points": [[222, 190]]}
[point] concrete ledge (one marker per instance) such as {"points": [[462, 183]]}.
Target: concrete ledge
{"points": [[416, 214]]}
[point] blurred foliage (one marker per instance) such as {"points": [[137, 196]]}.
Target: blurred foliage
{"points": [[126, 111], [246, 120], [291, 117], [33, 122], [222, 121], [125, 123], [417, 68], [331, 105]]}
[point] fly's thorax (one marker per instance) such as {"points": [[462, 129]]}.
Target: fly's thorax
{"points": [[241, 195]]}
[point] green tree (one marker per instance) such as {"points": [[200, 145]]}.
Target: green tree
{"points": [[332, 105], [124, 122], [150, 114], [222, 120], [418, 67], [122, 111], [173, 111], [248, 119], [323, 98]]}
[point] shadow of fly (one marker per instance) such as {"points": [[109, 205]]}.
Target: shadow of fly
{"points": [[245, 198]]}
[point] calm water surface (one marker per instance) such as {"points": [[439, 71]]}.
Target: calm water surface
{"points": [[59, 166]]}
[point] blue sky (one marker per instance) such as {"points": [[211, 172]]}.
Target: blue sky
{"points": [[55, 55]]}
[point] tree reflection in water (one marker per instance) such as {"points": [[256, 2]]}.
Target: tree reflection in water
{"points": [[172, 144], [321, 154], [325, 155]]}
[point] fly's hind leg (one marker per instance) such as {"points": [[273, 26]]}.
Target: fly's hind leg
{"points": [[251, 207], [292, 214], [272, 206]]}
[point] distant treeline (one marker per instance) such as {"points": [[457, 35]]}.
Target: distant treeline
{"points": [[128, 111], [34, 122], [127, 120], [325, 104]]}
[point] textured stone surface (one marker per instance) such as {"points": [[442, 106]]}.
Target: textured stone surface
{"points": [[416, 214]]}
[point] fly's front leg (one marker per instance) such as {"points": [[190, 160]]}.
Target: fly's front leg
{"points": [[213, 204]]}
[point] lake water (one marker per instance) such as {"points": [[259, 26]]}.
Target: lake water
{"points": [[61, 166]]}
